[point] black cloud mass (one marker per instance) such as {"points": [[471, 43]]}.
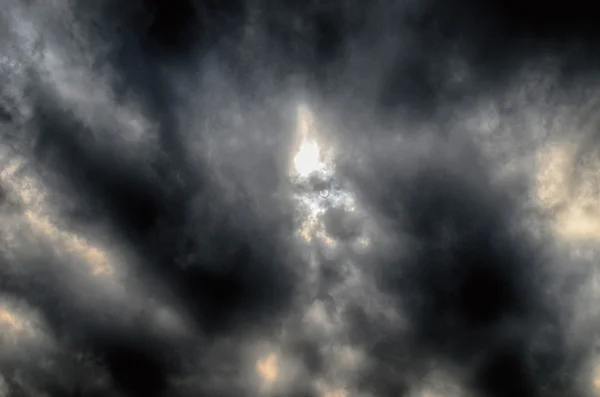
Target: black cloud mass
{"points": [[305, 198]]}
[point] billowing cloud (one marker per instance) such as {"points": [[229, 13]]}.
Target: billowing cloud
{"points": [[330, 199]]}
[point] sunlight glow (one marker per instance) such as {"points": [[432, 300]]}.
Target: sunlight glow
{"points": [[552, 175], [596, 377], [72, 243], [102, 265], [11, 320], [573, 205], [335, 393], [308, 157], [31, 194], [13, 324], [326, 390], [307, 160], [268, 368], [312, 158]]}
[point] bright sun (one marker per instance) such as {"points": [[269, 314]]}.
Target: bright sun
{"points": [[307, 160]]}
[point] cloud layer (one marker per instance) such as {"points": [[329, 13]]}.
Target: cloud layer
{"points": [[329, 199]]}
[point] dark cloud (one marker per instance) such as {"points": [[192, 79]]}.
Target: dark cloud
{"points": [[465, 279], [154, 241]]}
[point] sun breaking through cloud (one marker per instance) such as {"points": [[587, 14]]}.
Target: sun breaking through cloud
{"points": [[396, 198]]}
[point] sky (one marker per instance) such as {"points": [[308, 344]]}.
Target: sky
{"points": [[299, 199]]}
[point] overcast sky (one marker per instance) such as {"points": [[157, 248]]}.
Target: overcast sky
{"points": [[299, 199]]}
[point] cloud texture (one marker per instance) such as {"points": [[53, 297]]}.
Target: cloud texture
{"points": [[316, 198]]}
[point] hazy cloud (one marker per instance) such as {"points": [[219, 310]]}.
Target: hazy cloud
{"points": [[329, 199]]}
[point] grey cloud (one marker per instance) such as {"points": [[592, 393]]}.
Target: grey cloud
{"points": [[157, 139]]}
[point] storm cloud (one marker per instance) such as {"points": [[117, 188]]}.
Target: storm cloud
{"points": [[316, 198]]}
